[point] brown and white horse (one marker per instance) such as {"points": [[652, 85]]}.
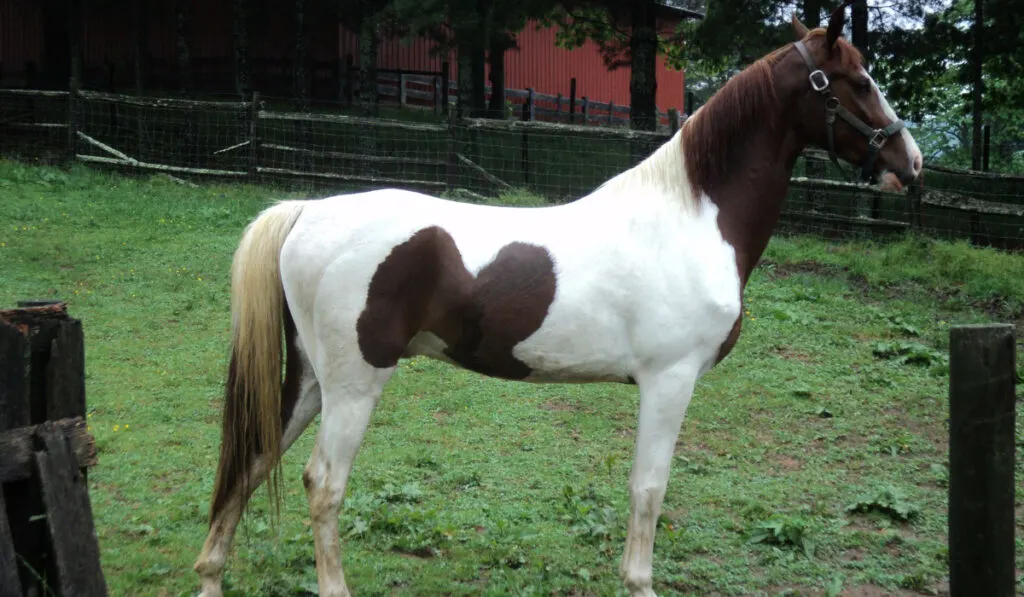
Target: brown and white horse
{"points": [[640, 281]]}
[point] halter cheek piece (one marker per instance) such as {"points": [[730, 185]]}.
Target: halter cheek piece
{"points": [[876, 137]]}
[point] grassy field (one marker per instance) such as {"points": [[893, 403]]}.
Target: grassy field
{"points": [[812, 461]]}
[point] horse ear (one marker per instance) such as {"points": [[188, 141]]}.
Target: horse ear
{"points": [[835, 25], [799, 29]]}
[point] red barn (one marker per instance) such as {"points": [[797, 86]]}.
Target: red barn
{"points": [[34, 49]]}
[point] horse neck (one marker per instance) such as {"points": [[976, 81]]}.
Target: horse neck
{"points": [[750, 194]]}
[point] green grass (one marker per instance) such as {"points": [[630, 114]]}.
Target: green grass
{"points": [[801, 456]]}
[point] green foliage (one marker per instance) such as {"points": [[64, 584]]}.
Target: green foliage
{"points": [[783, 531], [908, 353], [590, 516], [889, 501]]}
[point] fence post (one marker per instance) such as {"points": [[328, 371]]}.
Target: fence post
{"points": [[572, 100], [586, 110], [981, 460], [611, 110], [525, 137], [446, 73], [453, 148], [986, 142], [401, 89], [254, 141], [673, 121]]}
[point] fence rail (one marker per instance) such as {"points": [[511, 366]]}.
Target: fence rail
{"points": [[560, 161]]}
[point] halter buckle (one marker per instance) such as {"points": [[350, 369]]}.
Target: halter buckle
{"points": [[818, 80], [878, 139]]}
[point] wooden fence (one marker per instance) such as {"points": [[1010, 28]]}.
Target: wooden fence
{"points": [[255, 141]]}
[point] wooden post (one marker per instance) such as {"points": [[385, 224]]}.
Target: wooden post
{"points": [[401, 89], [75, 82], [446, 73], [525, 137], [981, 460], [531, 105], [437, 96], [986, 144], [10, 586], [673, 121], [254, 141], [453, 146], [558, 108], [572, 100], [611, 111], [42, 377], [689, 104], [586, 110]]}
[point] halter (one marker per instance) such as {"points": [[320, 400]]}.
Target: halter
{"points": [[876, 137]]}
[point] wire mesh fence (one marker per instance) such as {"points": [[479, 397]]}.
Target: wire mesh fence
{"points": [[326, 151]]}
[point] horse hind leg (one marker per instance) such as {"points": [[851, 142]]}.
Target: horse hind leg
{"points": [[350, 395], [210, 564]]}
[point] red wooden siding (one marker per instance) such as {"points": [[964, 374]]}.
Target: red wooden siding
{"points": [[107, 36]]}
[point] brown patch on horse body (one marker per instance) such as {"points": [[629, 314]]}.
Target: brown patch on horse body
{"points": [[424, 286]]}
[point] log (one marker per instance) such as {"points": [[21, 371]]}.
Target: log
{"points": [[970, 204], [356, 156], [487, 175], [159, 167], [34, 92], [106, 148], [981, 460], [838, 219], [539, 126], [160, 102], [17, 445], [355, 120], [352, 178], [973, 173], [76, 553]]}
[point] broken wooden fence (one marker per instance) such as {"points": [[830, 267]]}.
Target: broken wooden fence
{"points": [[48, 543]]}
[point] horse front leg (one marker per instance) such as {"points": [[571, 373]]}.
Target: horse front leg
{"points": [[664, 398]]}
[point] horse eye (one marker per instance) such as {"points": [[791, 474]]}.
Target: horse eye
{"points": [[864, 86]]}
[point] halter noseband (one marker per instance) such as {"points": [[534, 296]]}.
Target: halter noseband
{"points": [[876, 137]]}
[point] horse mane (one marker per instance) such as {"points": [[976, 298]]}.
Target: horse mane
{"points": [[714, 135]]}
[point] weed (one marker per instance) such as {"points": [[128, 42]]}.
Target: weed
{"points": [[783, 531], [887, 500], [589, 515], [909, 353]]}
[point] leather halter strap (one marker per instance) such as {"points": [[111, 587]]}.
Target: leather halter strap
{"points": [[876, 137]]}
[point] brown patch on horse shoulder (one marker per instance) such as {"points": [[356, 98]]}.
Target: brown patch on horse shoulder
{"points": [[423, 285]]}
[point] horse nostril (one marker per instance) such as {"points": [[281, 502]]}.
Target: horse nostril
{"points": [[917, 163]]}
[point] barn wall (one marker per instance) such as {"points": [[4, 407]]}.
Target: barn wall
{"points": [[107, 36]]}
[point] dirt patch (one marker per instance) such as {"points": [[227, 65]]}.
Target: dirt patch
{"points": [[788, 463], [792, 354], [558, 407]]}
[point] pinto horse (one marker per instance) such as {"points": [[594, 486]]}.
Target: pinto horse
{"points": [[639, 282]]}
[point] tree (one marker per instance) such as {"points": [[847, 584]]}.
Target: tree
{"points": [[629, 33]]}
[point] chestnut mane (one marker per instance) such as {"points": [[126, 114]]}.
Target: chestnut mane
{"points": [[713, 137]]}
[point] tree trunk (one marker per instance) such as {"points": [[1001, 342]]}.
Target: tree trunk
{"points": [[55, 70], [812, 13], [368, 41], [300, 67], [496, 60], [240, 31], [186, 83], [977, 58], [141, 14], [643, 82], [859, 25]]}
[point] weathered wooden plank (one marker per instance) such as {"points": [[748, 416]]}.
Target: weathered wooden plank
{"points": [[65, 373], [970, 204], [160, 167], [343, 119], [10, 586], [160, 102], [351, 178], [357, 156], [501, 184], [974, 173], [69, 517], [539, 126], [17, 446], [33, 92], [14, 360]]}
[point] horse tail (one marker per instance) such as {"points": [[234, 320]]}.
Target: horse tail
{"points": [[251, 425]]}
